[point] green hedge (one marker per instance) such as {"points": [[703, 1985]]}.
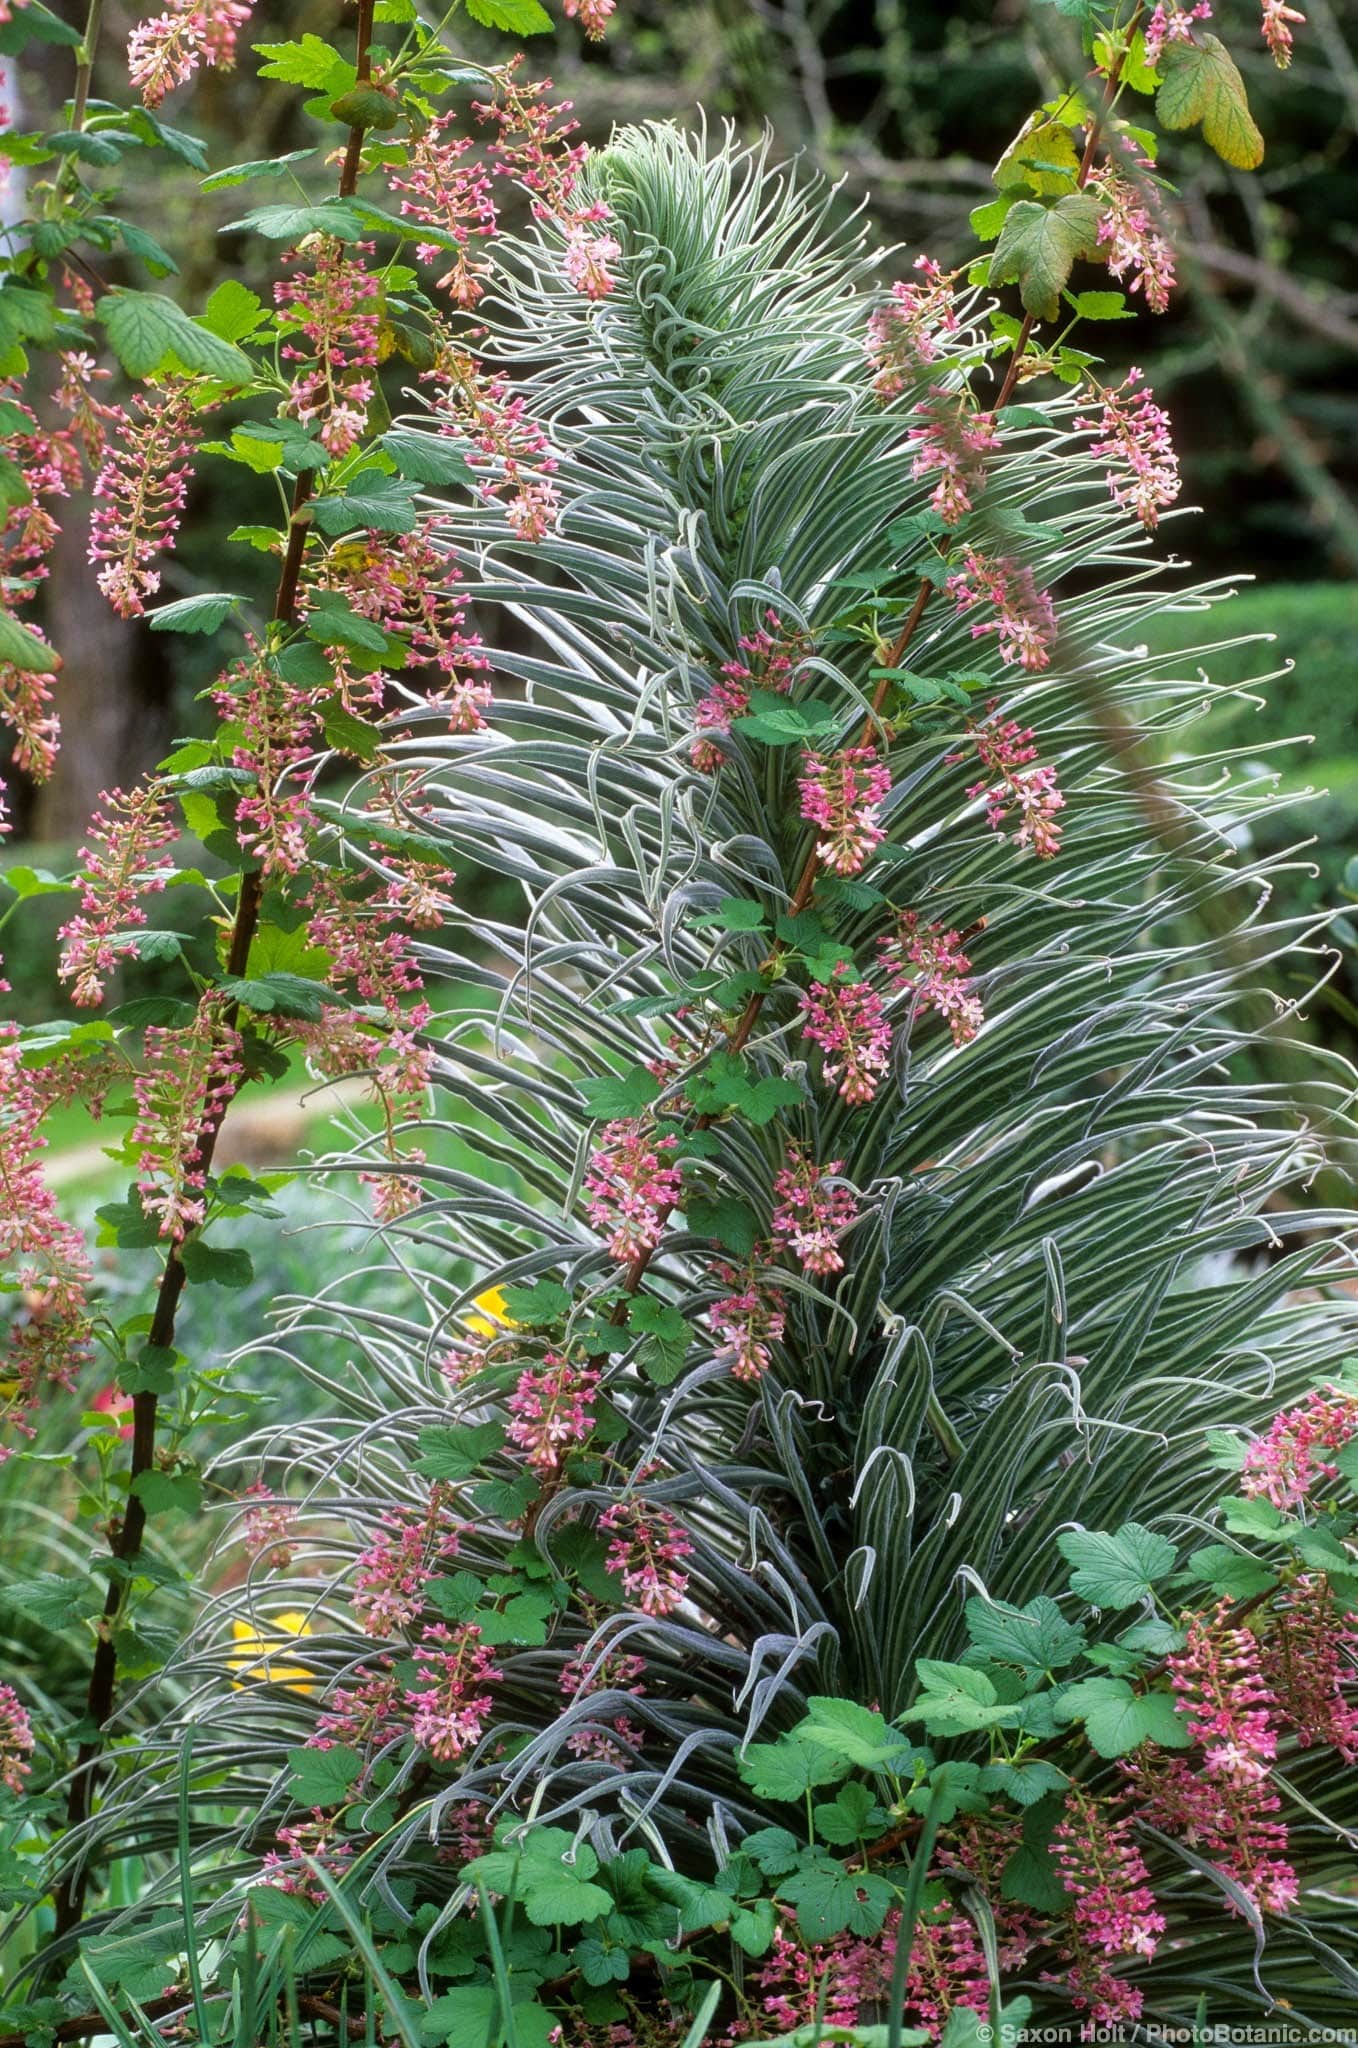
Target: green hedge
{"points": [[1316, 627]]}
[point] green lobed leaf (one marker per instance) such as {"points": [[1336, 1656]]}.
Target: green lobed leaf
{"points": [[322, 1777], [1038, 247], [1118, 1720], [1115, 1570], [147, 331]]}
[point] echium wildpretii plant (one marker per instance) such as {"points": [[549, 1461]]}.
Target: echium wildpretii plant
{"points": [[769, 1582]]}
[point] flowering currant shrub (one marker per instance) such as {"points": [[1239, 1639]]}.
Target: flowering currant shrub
{"points": [[769, 1581]]}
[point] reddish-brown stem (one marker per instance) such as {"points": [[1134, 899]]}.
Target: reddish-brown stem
{"points": [[126, 1536]]}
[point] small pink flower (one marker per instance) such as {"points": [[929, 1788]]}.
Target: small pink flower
{"points": [[139, 495], [16, 1740], [1172, 25], [451, 1702], [952, 441], [113, 1402], [443, 190], [631, 1186], [842, 794], [845, 1019], [813, 1210], [1011, 783], [1277, 30], [1145, 470], [1291, 1457], [902, 335], [587, 261], [1105, 1874], [615, 1671], [391, 1574], [646, 1552], [748, 1322], [187, 1081], [267, 1528], [367, 1712], [927, 962], [1309, 1658], [551, 1410], [303, 1844], [1225, 1805], [1133, 239], [592, 15], [1025, 617], [118, 872], [773, 655], [167, 49]]}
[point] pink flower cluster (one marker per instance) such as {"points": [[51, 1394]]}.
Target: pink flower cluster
{"points": [[1025, 617], [631, 1186], [1114, 1911], [1172, 25], [551, 1410], [1295, 1452], [508, 450], [902, 335], [825, 1982], [187, 1080], [330, 317], [646, 1550], [592, 15], [315, 1841], [1011, 783], [845, 1018], [616, 1671], [841, 794], [139, 495], [1132, 238], [167, 49], [16, 1740], [926, 961], [773, 654], [363, 1715], [391, 1574], [1144, 476], [813, 1209], [1309, 1659], [947, 1969], [42, 1257], [747, 1322], [1276, 28], [450, 1703], [443, 190], [952, 440], [532, 148], [268, 1527], [117, 874], [1225, 1805]]}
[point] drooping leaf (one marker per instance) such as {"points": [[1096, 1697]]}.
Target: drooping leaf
{"points": [[1202, 83]]}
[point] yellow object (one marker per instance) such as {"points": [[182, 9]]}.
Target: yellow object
{"points": [[492, 1318], [270, 1639]]}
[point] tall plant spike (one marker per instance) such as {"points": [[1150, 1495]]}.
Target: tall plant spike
{"points": [[867, 1203]]}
